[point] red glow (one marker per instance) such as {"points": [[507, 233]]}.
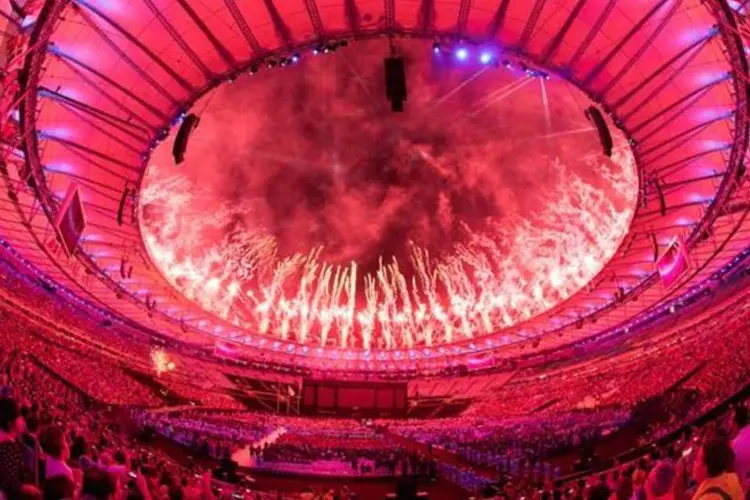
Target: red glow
{"points": [[307, 211]]}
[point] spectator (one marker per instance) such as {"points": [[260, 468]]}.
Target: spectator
{"points": [[97, 485], [712, 471], [662, 482], [599, 492], [11, 453], [741, 445], [29, 492], [58, 488], [52, 441]]}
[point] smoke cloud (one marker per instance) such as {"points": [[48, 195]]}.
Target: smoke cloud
{"points": [[306, 166]]}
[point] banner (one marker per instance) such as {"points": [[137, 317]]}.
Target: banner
{"points": [[673, 263], [71, 220]]}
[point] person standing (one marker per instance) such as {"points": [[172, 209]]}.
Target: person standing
{"points": [[713, 472], [741, 445], [11, 452]]}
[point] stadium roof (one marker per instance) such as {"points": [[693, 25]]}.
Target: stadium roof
{"points": [[101, 81]]}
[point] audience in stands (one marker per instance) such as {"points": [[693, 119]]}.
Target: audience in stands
{"points": [[741, 446], [714, 471], [11, 453], [68, 407]]}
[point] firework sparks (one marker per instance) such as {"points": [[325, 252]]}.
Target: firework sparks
{"points": [[161, 361], [415, 238]]}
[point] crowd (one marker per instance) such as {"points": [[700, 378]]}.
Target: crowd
{"points": [[70, 394], [297, 441], [515, 442], [55, 444], [207, 434]]}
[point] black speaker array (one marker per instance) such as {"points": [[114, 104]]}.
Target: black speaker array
{"points": [[183, 135], [595, 116], [395, 83], [121, 208]]}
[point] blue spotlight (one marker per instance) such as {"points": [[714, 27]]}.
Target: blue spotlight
{"points": [[486, 57], [436, 48], [462, 54]]}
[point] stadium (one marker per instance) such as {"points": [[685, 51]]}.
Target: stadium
{"points": [[318, 249]]}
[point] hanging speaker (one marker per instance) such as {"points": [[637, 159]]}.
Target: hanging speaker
{"points": [[597, 119], [121, 208], [654, 246], [189, 123], [662, 200], [395, 83]]}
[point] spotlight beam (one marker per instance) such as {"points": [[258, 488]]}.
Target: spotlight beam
{"points": [[357, 76], [566, 132], [545, 104], [502, 89], [497, 96], [458, 88]]}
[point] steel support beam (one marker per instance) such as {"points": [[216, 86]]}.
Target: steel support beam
{"points": [[91, 151], [426, 15], [595, 29], [113, 121], [132, 39], [156, 11], [314, 14], [463, 16], [74, 65], [658, 71], [496, 26], [219, 47], [91, 182], [390, 14], [241, 23], [80, 154], [642, 50], [283, 33], [686, 106], [666, 169], [352, 15], [617, 48], [700, 90], [528, 29], [141, 72], [684, 133], [560, 36], [102, 130]]}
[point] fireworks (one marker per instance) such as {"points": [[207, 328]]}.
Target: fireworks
{"points": [[497, 278], [434, 241], [161, 361]]}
